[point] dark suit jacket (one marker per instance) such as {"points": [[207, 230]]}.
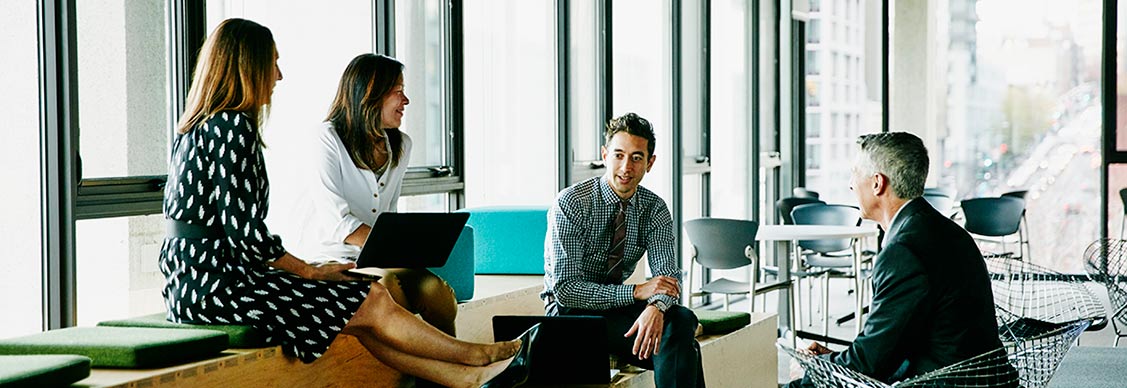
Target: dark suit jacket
{"points": [[932, 302]]}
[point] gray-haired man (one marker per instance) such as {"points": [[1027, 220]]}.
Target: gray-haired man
{"points": [[932, 302]]}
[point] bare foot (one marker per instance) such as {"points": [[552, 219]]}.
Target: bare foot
{"points": [[499, 351], [490, 371]]}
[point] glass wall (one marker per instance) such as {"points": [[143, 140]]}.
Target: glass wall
{"points": [[730, 132], [842, 100], [421, 45], [124, 131], [1121, 78], [642, 66], [20, 226], [510, 102], [695, 179], [1023, 114], [122, 88], [312, 61], [586, 119], [117, 265], [1117, 172]]}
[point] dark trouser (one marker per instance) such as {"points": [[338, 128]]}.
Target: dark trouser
{"points": [[677, 362]]}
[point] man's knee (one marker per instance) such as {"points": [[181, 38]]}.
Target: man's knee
{"points": [[680, 321]]}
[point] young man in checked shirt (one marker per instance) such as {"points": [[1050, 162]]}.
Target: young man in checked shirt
{"points": [[598, 230]]}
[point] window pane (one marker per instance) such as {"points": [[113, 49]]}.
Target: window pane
{"points": [[510, 102], [692, 210], [1116, 211], [1121, 77], [122, 88], [117, 264], [643, 79], [424, 203], [21, 280], [729, 103], [586, 124], [312, 61], [691, 76], [419, 44], [836, 92], [1021, 115]]}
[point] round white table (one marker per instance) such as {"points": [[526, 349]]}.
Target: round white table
{"points": [[792, 234]]}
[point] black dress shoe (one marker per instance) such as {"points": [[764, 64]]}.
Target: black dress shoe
{"points": [[517, 371]]}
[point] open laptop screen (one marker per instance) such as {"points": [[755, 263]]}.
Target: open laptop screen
{"points": [[411, 240], [569, 349]]}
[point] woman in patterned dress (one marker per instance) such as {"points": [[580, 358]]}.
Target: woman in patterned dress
{"points": [[360, 158], [222, 265]]}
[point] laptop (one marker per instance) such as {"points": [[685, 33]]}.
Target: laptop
{"points": [[570, 350], [409, 240]]}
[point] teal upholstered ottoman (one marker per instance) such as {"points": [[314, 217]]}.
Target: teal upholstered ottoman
{"points": [[121, 347], [721, 322], [237, 336], [459, 269], [509, 239], [42, 370]]}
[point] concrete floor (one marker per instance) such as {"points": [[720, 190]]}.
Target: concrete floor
{"points": [[841, 303]]}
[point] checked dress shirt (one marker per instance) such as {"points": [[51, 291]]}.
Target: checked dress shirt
{"points": [[578, 242]]}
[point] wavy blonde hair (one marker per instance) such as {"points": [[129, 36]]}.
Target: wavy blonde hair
{"points": [[235, 71]]}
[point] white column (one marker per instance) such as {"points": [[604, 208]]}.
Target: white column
{"points": [[918, 75]]}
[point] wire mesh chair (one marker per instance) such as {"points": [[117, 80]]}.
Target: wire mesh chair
{"points": [[1025, 290], [1032, 350], [1106, 262], [824, 373]]}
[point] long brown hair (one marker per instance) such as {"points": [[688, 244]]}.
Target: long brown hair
{"points": [[356, 110], [235, 71]]}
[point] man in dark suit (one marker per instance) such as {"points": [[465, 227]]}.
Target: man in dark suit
{"points": [[932, 302]]}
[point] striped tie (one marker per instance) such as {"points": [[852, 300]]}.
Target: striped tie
{"points": [[617, 245]]}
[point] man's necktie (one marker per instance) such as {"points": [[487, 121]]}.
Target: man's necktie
{"points": [[617, 245]]}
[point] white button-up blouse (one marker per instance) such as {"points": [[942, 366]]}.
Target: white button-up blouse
{"points": [[342, 197]]}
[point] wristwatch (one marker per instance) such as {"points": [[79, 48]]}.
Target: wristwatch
{"points": [[660, 305]]}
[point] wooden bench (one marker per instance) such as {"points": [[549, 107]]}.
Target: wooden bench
{"points": [[742, 358], [346, 364], [745, 357]]}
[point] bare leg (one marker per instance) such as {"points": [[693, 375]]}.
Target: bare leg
{"points": [[445, 373], [421, 292], [381, 318]]}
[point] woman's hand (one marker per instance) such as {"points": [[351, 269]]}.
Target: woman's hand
{"points": [[327, 271], [331, 272]]}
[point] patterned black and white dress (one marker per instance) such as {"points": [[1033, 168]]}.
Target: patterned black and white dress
{"points": [[217, 178]]}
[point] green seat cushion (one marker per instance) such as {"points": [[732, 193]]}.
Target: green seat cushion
{"points": [[238, 336], [722, 322], [122, 347], [42, 370]]}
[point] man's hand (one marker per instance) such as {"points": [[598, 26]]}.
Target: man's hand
{"points": [[659, 285], [331, 272], [648, 326], [816, 349]]}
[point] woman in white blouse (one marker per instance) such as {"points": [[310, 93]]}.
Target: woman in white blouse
{"points": [[360, 160]]}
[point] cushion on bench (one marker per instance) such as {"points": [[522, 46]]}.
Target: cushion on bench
{"points": [[238, 336], [122, 347], [459, 269], [722, 322], [509, 240], [42, 370]]}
